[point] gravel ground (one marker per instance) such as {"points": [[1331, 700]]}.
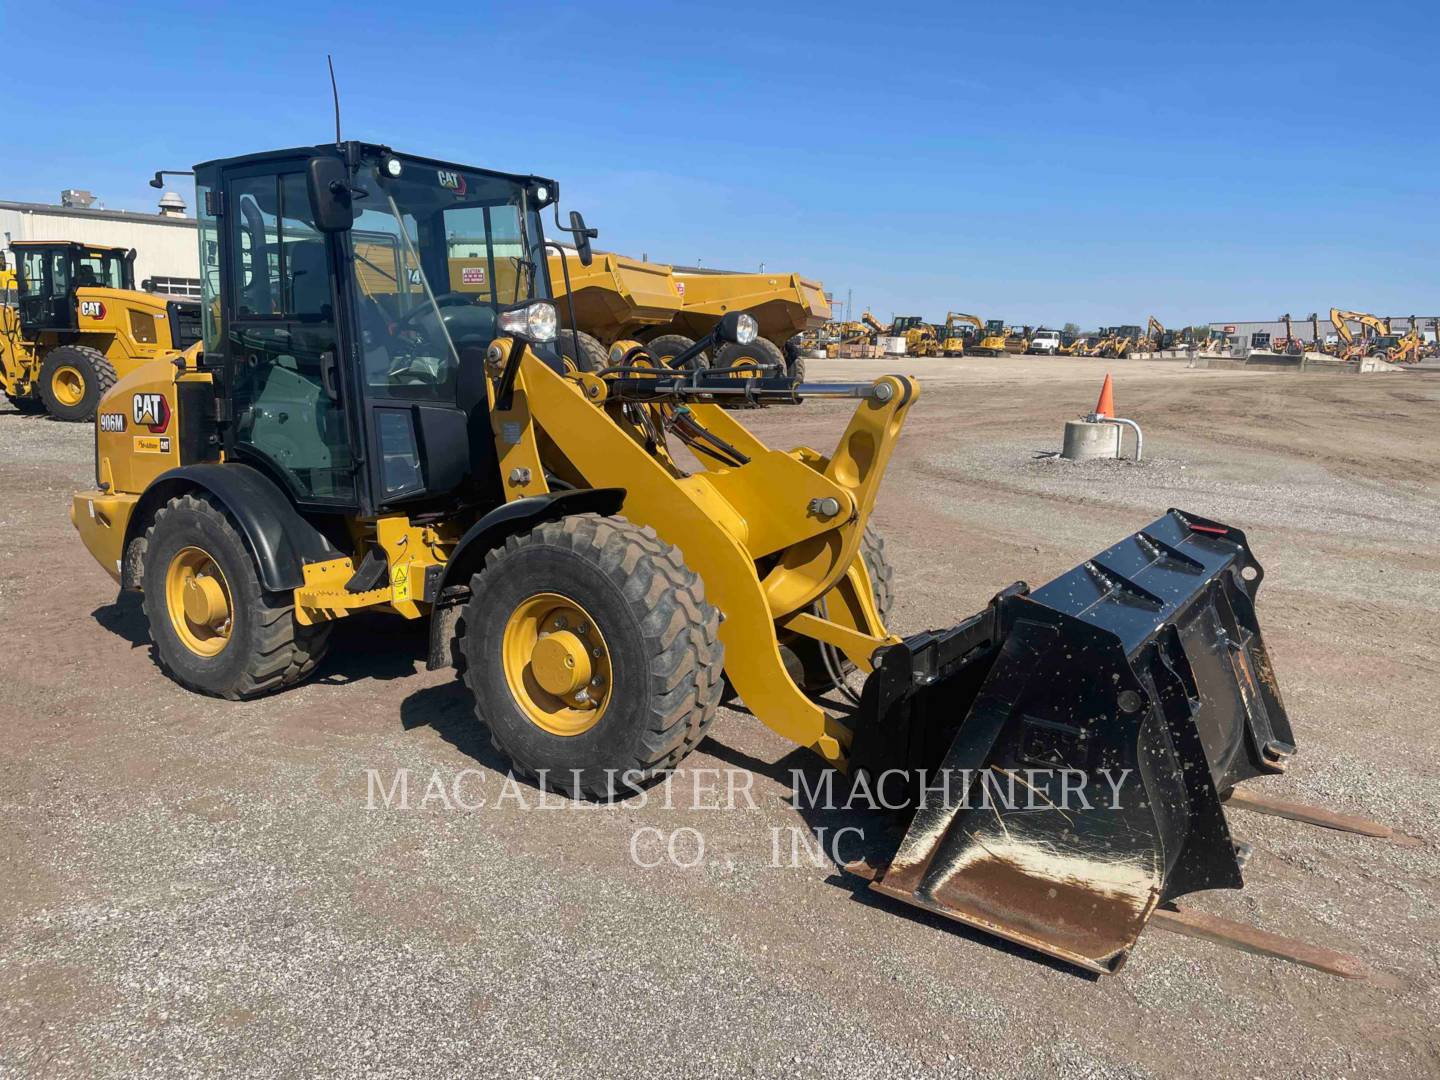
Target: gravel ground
{"points": [[190, 886]]}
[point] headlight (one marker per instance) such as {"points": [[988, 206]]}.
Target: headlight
{"points": [[533, 322], [745, 329]]}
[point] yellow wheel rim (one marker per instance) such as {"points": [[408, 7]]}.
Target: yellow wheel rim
{"points": [[557, 664], [68, 384], [749, 363], [197, 598]]}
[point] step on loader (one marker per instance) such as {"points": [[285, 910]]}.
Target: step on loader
{"points": [[346, 441]]}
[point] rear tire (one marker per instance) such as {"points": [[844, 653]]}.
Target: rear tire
{"points": [[794, 362], [666, 347], [630, 602], [759, 353], [582, 350], [262, 649], [73, 379]]}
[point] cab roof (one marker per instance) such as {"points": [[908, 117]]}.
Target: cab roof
{"points": [[363, 149], [68, 243]]}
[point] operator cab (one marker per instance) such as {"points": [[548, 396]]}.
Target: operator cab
{"points": [[48, 275], [349, 318]]}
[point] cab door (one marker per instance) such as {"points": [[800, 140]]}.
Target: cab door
{"points": [[45, 290], [282, 350]]}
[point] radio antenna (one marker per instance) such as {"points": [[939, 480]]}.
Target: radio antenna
{"points": [[334, 93]]}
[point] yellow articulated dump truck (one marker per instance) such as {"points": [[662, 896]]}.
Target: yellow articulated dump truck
{"points": [[617, 298], [783, 306], [343, 442], [73, 322]]}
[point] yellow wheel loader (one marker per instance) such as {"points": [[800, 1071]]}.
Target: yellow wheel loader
{"points": [[77, 323], [344, 442]]}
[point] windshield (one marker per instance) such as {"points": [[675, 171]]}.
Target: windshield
{"points": [[437, 253], [100, 270]]}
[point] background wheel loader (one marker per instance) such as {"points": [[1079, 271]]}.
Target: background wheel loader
{"points": [[76, 323], [347, 442]]}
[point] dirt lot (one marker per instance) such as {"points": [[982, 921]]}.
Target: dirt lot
{"points": [[193, 886]]}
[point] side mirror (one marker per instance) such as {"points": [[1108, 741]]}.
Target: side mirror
{"points": [[328, 182], [583, 236]]}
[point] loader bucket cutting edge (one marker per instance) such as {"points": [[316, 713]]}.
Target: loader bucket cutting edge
{"points": [[1074, 743]]}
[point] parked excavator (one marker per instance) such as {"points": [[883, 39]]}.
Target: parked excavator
{"points": [[1377, 340], [953, 341], [1289, 344], [339, 445], [1159, 339]]}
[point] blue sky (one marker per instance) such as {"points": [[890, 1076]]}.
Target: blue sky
{"points": [[1035, 162]]}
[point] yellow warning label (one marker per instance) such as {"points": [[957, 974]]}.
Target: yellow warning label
{"points": [[400, 583]]}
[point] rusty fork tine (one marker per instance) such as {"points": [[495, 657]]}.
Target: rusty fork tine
{"points": [[1316, 815], [1251, 939]]}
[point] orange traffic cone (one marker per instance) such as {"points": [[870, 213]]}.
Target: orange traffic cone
{"points": [[1106, 405]]}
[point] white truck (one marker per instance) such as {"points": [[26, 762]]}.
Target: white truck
{"points": [[1044, 343]]}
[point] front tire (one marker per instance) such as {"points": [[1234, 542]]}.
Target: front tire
{"points": [[73, 379], [215, 628], [594, 660]]}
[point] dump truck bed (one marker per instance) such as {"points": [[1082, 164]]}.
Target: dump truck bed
{"points": [[783, 304], [615, 296]]}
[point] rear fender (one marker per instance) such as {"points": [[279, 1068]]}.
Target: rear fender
{"points": [[281, 541]]}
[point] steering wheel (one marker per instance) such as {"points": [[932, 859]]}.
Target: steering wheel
{"points": [[442, 300]]}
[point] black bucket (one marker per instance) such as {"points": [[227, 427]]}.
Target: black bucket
{"points": [[1075, 742]]}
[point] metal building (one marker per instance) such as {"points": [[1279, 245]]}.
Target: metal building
{"points": [[165, 243]]}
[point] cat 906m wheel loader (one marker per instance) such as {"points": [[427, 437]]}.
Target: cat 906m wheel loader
{"points": [[408, 443]]}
